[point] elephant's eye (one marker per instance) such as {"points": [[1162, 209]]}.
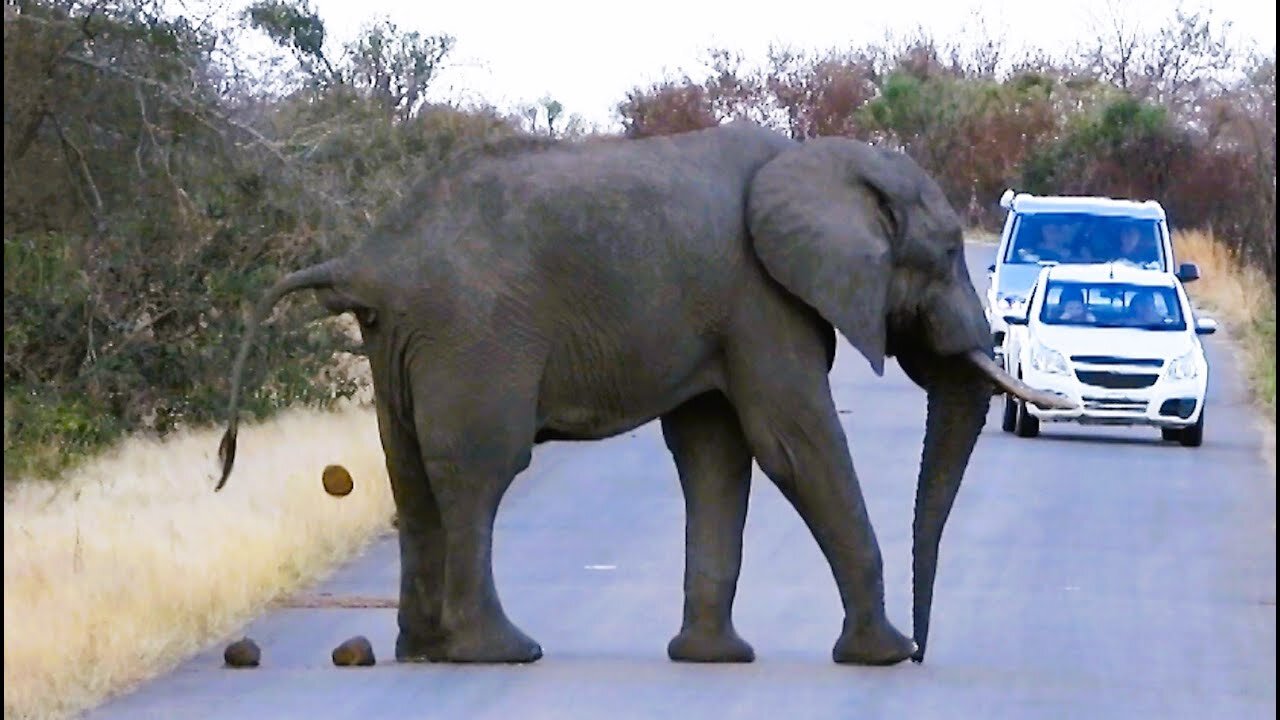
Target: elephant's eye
{"points": [[367, 317]]}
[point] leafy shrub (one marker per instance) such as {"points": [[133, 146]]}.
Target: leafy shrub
{"points": [[149, 200]]}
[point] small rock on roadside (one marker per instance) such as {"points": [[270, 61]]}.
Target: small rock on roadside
{"points": [[243, 653], [354, 652]]}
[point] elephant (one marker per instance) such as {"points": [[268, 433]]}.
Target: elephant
{"points": [[530, 290]]}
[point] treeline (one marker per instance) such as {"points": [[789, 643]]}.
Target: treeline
{"points": [[156, 181], [1174, 116]]}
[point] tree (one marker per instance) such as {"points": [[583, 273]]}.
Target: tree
{"points": [[1169, 65], [394, 66]]}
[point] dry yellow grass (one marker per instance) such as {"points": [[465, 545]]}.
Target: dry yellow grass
{"points": [[1237, 293], [1240, 297], [132, 563]]}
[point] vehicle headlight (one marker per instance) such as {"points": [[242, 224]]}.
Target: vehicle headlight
{"points": [[1183, 368], [1047, 360]]}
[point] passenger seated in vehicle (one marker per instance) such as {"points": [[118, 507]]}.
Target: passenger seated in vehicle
{"points": [[1132, 247], [1071, 307], [1143, 310]]}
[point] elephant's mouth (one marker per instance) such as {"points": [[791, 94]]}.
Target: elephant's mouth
{"points": [[1013, 386]]}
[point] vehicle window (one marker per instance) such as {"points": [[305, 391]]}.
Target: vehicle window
{"points": [[1110, 304], [1084, 239]]}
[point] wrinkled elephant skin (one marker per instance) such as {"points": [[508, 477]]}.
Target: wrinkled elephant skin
{"points": [[531, 290]]}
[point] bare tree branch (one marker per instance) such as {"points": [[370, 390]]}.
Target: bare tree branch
{"points": [[96, 210]]}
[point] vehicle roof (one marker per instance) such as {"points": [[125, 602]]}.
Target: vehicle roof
{"points": [[1109, 272], [1033, 204]]}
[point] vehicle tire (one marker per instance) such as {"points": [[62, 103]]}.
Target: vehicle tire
{"points": [[1025, 424], [1010, 417], [1193, 436], [1170, 434]]}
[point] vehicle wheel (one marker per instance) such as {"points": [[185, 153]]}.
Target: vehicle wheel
{"points": [[1171, 434], [1193, 436], [1010, 417], [1025, 424]]}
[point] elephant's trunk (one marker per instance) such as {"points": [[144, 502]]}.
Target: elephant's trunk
{"points": [[316, 276], [957, 409], [1015, 387]]}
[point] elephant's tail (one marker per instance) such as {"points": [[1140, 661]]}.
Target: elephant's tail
{"points": [[316, 276]]}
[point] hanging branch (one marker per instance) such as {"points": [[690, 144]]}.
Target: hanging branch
{"points": [[96, 209]]}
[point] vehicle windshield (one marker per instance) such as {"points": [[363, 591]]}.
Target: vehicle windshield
{"points": [[1079, 238], [1111, 304]]}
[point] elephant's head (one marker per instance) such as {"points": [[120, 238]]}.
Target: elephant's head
{"points": [[867, 238]]}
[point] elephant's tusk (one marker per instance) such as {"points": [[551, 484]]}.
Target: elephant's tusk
{"points": [[1015, 387]]}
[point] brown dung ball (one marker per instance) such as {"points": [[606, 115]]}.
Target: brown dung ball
{"points": [[354, 652], [243, 653], [337, 481]]}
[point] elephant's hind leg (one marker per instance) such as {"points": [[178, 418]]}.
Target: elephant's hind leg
{"points": [[421, 535], [714, 464], [471, 458]]}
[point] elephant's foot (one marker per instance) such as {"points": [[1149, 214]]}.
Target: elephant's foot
{"points": [[497, 642], [874, 643], [710, 646], [418, 648]]}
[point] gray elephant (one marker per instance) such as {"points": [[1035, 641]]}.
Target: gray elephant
{"points": [[532, 290]]}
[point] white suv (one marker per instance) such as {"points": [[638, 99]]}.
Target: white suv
{"points": [[1061, 230], [1119, 342]]}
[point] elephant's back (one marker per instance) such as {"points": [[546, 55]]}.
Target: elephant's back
{"points": [[641, 232]]}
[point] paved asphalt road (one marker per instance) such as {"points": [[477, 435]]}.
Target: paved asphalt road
{"points": [[1087, 573]]}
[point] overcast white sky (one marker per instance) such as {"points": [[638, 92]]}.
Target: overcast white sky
{"points": [[588, 53]]}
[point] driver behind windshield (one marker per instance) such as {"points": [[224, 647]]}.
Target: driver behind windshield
{"points": [[1143, 311], [1134, 248]]}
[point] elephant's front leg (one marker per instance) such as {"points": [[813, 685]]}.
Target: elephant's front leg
{"points": [[790, 421], [421, 535], [714, 464]]}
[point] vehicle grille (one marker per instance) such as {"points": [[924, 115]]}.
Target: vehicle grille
{"points": [[1116, 360], [1123, 381], [1119, 404]]}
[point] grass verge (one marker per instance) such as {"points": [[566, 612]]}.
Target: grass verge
{"points": [[1240, 297], [131, 562]]}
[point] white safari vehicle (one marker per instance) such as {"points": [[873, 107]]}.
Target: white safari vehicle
{"points": [[1118, 341], [1078, 230]]}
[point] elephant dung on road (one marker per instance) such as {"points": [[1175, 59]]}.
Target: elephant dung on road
{"points": [[534, 290]]}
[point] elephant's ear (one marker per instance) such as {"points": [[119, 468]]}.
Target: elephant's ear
{"points": [[821, 218]]}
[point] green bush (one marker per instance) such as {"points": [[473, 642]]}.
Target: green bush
{"points": [[149, 202]]}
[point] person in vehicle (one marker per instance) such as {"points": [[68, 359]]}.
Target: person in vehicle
{"points": [[1064, 242], [1055, 242], [1143, 310], [1071, 307], [1132, 247]]}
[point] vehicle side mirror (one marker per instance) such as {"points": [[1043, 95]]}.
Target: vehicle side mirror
{"points": [[1016, 319], [991, 268], [1206, 326], [1188, 272]]}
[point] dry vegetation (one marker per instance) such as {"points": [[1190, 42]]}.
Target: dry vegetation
{"points": [[132, 562], [1239, 296]]}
